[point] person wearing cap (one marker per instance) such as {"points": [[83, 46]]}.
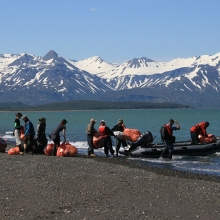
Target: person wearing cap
{"points": [[55, 135], [106, 132], [41, 135], [28, 135], [119, 127], [17, 128], [90, 131]]}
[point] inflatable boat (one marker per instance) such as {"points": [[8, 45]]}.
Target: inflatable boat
{"points": [[180, 148]]}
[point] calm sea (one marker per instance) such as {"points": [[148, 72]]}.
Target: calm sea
{"points": [[143, 120]]}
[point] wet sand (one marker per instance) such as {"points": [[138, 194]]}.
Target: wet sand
{"points": [[42, 187]]}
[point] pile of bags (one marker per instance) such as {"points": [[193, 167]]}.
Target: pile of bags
{"points": [[64, 150]]}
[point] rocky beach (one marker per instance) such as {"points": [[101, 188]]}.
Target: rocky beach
{"points": [[81, 187]]}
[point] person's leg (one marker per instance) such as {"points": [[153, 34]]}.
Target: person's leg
{"points": [[17, 138], [165, 149], [90, 148], [109, 145], [194, 138], [25, 144], [56, 145], [117, 146], [170, 148]]}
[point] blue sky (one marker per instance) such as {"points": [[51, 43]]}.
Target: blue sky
{"points": [[115, 30]]}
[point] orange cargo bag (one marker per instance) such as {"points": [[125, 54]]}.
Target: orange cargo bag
{"points": [[49, 149], [210, 139], [66, 150], [130, 134], [14, 151], [97, 140], [22, 133]]}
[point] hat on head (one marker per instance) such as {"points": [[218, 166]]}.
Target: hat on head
{"points": [[42, 119], [24, 117], [64, 121], [120, 121], [103, 121], [92, 120], [18, 114]]}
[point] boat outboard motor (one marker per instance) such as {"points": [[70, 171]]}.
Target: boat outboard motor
{"points": [[144, 140]]}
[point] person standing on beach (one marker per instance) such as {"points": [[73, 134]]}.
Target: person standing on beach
{"points": [[90, 131], [55, 135], [106, 140], [168, 138], [17, 127], [119, 127], [41, 135], [198, 129], [28, 135]]}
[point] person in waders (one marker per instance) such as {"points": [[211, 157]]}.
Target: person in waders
{"points": [[90, 131], [17, 128], [55, 135], [167, 136]]}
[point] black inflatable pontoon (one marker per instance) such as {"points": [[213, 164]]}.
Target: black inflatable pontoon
{"points": [[180, 148]]}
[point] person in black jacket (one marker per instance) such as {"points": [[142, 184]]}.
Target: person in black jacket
{"points": [[119, 127], [41, 135], [55, 135]]}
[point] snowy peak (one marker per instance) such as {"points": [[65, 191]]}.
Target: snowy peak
{"points": [[24, 59], [50, 55], [138, 62], [95, 65]]}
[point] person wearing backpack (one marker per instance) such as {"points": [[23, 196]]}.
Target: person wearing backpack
{"points": [[167, 136]]}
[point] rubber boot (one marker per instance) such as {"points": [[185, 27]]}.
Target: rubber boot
{"points": [[170, 155]]}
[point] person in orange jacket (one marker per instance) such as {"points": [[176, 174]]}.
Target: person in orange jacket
{"points": [[198, 129]]}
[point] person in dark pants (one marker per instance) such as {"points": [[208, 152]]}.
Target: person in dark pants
{"points": [[169, 139], [106, 140], [28, 135], [198, 129], [41, 135], [90, 131], [55, 135], [119, 127]]}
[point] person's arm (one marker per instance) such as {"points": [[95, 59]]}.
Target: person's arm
{"points": [[27, 129], [113, 129], [203, 131], [177, 125], [38, 129], [110, 132]]}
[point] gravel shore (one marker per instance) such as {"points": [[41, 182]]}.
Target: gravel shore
{"points": [[42, 187]]}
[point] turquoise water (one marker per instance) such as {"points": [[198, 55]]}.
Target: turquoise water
{"points": [[143, 120]]}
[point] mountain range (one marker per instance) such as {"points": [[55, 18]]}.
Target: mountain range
{"points": [[36, 80]]}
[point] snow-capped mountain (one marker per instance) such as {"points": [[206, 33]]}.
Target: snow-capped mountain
{"points": [[54, 78], [45, 79]]}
